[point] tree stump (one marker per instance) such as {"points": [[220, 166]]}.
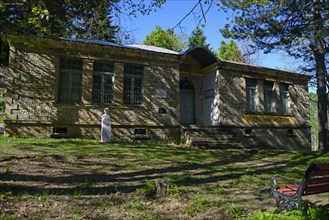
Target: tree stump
{"points": [[161, 187]]}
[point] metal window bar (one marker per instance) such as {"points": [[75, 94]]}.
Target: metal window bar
{"points": [[103, 81], [133, 80]]}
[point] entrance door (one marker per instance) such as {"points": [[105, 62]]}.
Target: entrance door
{"points": [[208, 98], [187, 106]]}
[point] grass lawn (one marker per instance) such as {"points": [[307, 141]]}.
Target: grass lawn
{"points": [[84, 179]]}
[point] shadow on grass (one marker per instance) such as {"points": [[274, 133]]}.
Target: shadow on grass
{"points": [[229, 164]]}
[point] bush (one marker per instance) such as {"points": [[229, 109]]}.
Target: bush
{"points": [[309, 212]]}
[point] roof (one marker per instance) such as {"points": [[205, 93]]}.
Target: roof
{"points": [[132, 46], [204, 56], [152, 48]]}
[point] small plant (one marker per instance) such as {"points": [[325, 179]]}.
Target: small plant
{"points": [[37, 216], [77, 193], [44, 195], [309, 212], [8, 217], [176, 191], [199, 204], [234, 211], [8, 169], [88, 183], [141, 209], [148, 189]]}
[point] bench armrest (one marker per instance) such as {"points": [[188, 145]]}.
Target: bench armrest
{"points": [[291, 182]]}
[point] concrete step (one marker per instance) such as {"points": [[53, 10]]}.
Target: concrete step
{"points": [[212, 137]]}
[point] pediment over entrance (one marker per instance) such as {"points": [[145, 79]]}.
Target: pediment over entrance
{"points": [[197, 58]]}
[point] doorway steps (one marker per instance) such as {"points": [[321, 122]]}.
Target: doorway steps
{"points": [[208, 137]]}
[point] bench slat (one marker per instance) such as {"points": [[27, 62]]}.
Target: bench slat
{"points": [[288, 190], [316, 189], [320, 173]]}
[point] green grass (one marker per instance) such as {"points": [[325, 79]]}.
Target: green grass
{"points": [[230, 182]]}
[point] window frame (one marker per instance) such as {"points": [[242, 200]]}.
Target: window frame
{"points": [[68, 68], [269, 101], [129, 73], [284, 106], [251, 99], [99, 69]]}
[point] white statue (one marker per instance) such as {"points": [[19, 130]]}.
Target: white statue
{"points": [[106, 127]]}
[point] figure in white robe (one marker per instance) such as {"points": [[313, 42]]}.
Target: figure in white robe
{"points": [[106, 127]]}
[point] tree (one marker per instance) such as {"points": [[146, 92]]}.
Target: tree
{"points": [[229, 51], [197, 39], [60, 18], [298, 27], [165, 39], [67, 18]]}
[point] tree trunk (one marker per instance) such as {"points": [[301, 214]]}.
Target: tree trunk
{"points": [[319, 52], [322, 101]]}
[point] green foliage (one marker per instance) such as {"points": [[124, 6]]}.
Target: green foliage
{"points": [[176, 191], [142, 210], [229, 51], [88, 183], [148, 189], [165, 39], [66, 18], [309, 212], [234, 211], [2, 6], [197, 39], [198, 204]]}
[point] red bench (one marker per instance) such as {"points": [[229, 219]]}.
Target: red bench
{"points": [[315, 181]]}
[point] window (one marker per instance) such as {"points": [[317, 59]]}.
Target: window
{"points": [[132, 85], [269, 103], [284, 99], [248, 131], [140, 131], [69, 87], [103, 80], [252, 99], [59, 130]]}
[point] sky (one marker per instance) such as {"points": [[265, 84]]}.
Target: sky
{"points": [[173, 11]]}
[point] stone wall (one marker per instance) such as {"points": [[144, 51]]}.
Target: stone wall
{"points": [[32, 108], [261, 128]]}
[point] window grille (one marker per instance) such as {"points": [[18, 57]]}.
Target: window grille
{"points": [[133, 85], [269, 103], [103, 80], [70, 81], [59, 130], [284, 99], [251, 92], [140, 132]]}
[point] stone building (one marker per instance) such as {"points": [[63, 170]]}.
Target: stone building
{"points": [[59, 88]]}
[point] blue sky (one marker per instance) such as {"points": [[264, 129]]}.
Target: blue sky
{"points": [[174, 10]]}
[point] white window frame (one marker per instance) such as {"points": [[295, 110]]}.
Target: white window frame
{"points": [[130, 94], [251, 95], [103, 70], [269, 103], [71, 68], [284, 99]]}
